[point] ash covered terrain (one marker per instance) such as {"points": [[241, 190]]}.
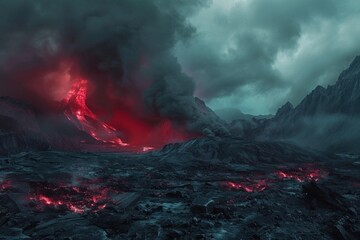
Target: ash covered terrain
{"points": [[209, 188]]}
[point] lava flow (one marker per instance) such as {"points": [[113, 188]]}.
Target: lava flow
{"points": [[141, 133], [85, 119], [302, 174], [248, 186], [73, 198]]}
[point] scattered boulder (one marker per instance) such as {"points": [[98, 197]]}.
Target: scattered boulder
{"points": [[202, 205], [325, 196]]}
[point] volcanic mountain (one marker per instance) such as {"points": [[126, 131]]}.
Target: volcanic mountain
{"points": [[74, 126]]}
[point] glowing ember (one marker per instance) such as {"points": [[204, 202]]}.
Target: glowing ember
{"points": [[5, 185], [86, 119], [248, 186], [146, 149], [302, 174], [72, 198]]}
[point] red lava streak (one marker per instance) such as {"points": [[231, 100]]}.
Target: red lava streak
{"points": [[301, 174], [248, 186], [138, 133], [86, 120], [72, 198]]}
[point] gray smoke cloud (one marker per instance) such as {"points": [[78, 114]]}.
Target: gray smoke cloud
{"points": [[245, 54], [123, 45]]}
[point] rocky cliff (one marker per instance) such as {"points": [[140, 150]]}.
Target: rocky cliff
{"points": [[341, 98], [327, 118]]}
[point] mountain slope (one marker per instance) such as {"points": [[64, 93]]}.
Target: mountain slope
{"points": [[341, 98], [234, 114], [326, 119]]}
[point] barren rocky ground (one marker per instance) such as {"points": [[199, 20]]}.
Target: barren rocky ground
{"points": [[211, 188]]}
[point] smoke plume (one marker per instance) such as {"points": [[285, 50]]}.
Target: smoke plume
{"points": [[122, 48]]}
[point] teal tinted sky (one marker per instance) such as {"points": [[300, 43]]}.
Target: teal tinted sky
{"points": [[255, 55]]}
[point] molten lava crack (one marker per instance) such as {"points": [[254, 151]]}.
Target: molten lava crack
{"points": [[248, 185], [302, 174], [78, 199], [79, 113]]}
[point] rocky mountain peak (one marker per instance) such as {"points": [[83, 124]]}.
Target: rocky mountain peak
{"points": [[319, 89], [341, 98], [352, 70], [284, 110], [327, 118]]}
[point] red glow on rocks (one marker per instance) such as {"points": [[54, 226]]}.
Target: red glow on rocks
{"points": [[149, 132], [248, 186], [146, 149], [5, 185], [72, 198], [302, 174], [86, 120]]}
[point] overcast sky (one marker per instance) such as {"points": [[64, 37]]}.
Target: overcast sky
{"points": [[255, 55]]}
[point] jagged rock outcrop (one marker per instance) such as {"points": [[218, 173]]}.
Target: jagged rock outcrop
{"points": [[207, 120], [284, 110], [341, 98], [327, 118]]}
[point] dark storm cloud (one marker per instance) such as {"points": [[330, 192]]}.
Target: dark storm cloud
{"points": [[247, 53]]}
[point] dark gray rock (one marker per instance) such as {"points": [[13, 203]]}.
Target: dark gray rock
{"points": [[201, 170], [325, 196], [202, 205]]}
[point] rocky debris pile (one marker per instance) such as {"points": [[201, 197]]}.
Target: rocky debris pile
{"points": [[207, 120]]}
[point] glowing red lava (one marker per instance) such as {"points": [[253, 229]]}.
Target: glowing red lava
{"points": [[85, 119], [73, 198], [141, 133], [248, 186], [302, 174]]}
